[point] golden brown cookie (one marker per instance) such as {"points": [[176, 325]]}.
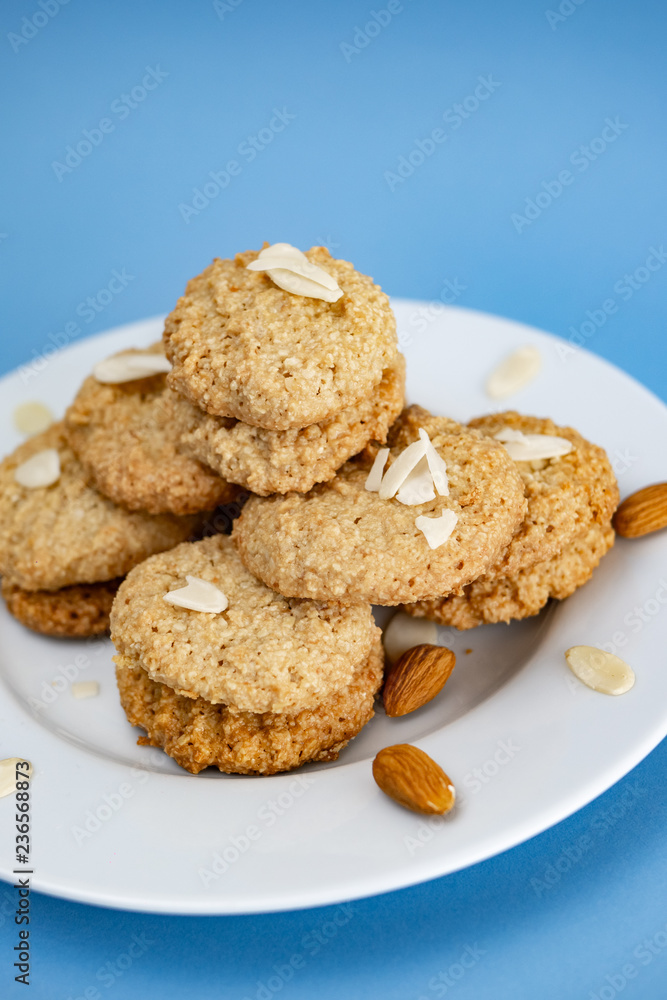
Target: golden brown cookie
{"points": [[198, 734], [75, 612], [242, 347], [55, 536], [565, 495], [262, 654], [502, 599], [341, 542], [279, 461], [125, 437]]}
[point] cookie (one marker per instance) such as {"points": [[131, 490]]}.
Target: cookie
{"points": [[341, 542], [125, 438], [68, 533], [198, 734], [502, 599], [565, 495], [279, 461], [74, 612], [262, 654], [242, 347]]}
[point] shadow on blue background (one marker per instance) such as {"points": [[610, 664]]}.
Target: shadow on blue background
{"points": [[328, 112]]}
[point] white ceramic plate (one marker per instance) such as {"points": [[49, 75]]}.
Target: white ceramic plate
{"points": [[525, 743]]}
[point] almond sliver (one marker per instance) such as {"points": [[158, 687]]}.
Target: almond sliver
{"points": [[533, 447], [198, 595], [436, 464], [399, 470], [43, 469], [129, 367], [418, 487], [436, 530], [375, 475]]}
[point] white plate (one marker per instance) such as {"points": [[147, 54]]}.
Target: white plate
{"points": [[524, 742]]}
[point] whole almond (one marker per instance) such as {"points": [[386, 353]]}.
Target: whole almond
{"points": [[642, 512], [413, 779], [416, 677]]}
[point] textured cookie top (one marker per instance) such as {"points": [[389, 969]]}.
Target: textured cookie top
{"points": [[242, 347], [198, 734], [125, 437], [565, 495], [68, 533], [279, 461], [340, 541], [262, 654], [501, 599]]}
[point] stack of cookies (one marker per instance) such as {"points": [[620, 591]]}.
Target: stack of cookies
{"points": [[64, 546], [220, 670], [275, 390], [279, 383]]}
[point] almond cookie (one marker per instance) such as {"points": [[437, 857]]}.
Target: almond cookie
{"points": [[126, 440], [565, 494], [74, 612], [262, 654], [67, 533], [502, 599], [242, 347], [279, 461], [198, 734], [342, 542]]}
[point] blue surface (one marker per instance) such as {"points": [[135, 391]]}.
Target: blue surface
{"points": [[360, 106]]}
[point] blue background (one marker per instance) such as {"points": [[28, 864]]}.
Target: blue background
{"points": [[326, 177]]}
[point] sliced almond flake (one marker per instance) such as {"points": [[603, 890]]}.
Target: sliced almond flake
{"points": [[291, 270], [436, 530], [436, 464], [418, 487], [199, 595], [129, 367], [375, 475], [85, 689], [533, 447], [514, 372], [600, 670], [284, 256], [8, 774], [32, 418], [43, 469], [399, 470], [403, 632]]}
